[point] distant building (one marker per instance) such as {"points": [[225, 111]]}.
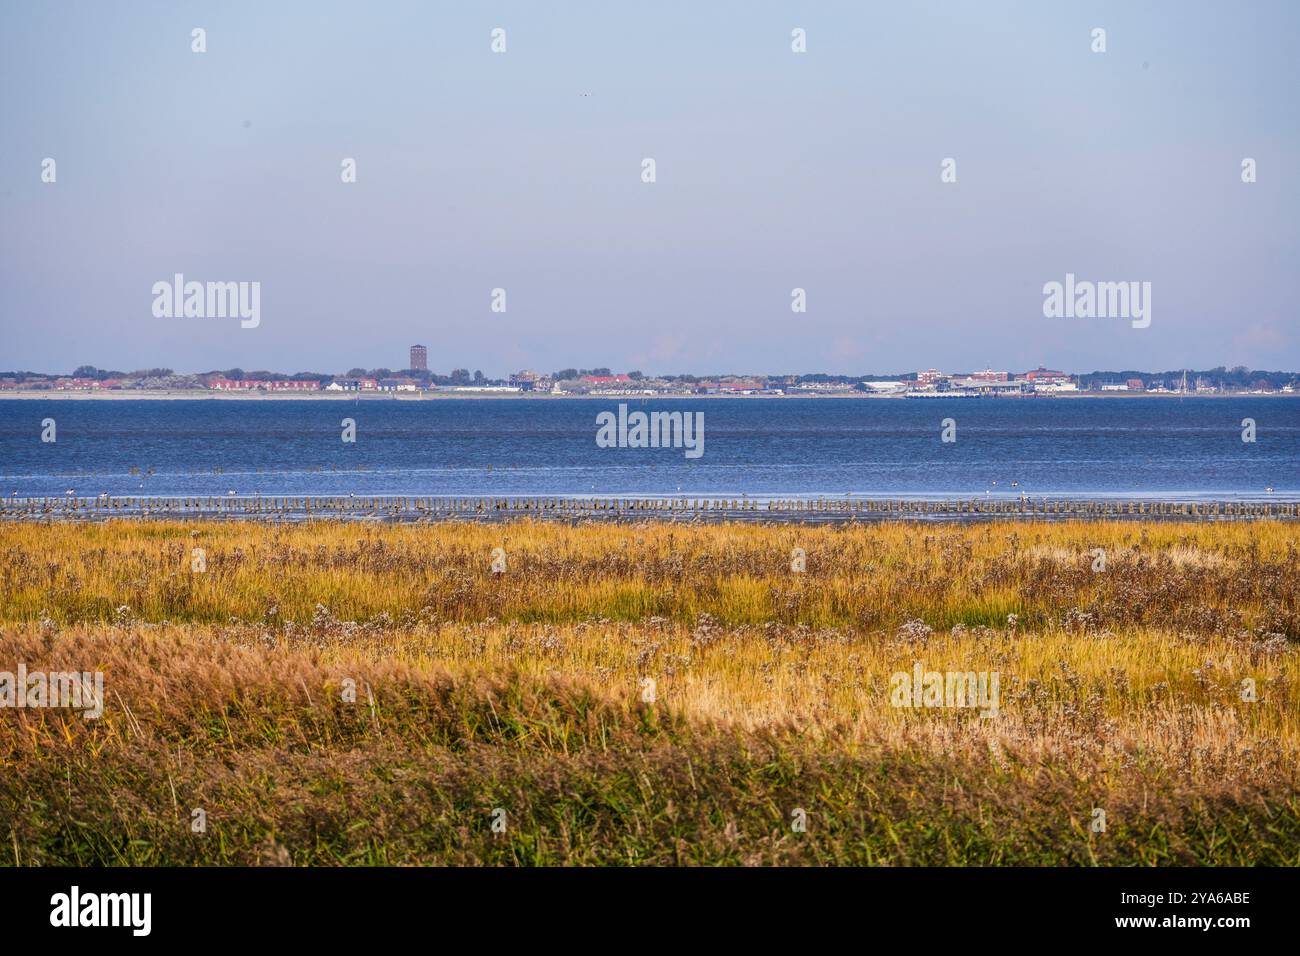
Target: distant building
{"points": [[991, 386], [354, 385], [419, 357], [930, 376], [1046, 376], [86, 384], [605, 379], [988, 375], [528, 381], [1136, 385], [825, 387], [248, 385]]}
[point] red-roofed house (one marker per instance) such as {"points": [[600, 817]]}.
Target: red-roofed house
{"points": [[606, 379]]}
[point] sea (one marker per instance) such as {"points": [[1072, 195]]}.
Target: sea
{"points": [[1169, 448]]}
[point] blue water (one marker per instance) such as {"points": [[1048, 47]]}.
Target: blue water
{"points": [[1134, 447]]}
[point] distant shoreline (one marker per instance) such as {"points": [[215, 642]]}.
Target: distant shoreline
{"points": [[146, 395], [762, 509]]}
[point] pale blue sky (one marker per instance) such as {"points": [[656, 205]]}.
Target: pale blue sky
{"points": [[775, 170]]}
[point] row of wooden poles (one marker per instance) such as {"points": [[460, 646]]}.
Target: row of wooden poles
{"points": [[430, 506]]}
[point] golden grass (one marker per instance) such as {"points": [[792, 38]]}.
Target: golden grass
{"points": [[1218, 577], [1120, 690]]}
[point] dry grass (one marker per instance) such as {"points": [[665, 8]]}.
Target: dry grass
{"points": [[1219, 578], [1120, 690]]}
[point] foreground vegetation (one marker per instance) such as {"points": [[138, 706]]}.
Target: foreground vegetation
{"points": [[333, 693]]}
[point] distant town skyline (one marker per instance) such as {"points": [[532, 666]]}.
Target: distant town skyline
{"points": [[913, 179], [603, 380]]}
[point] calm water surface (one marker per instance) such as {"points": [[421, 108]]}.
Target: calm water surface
{"points": [[1112, 447]]}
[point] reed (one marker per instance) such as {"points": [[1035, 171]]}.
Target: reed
{"points": [[1215, 578], [1121, 690]]}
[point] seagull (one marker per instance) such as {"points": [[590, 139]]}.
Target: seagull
{"points": [[1269, 489]]}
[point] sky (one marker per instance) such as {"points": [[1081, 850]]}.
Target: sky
{"points": [[774, 170]]}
